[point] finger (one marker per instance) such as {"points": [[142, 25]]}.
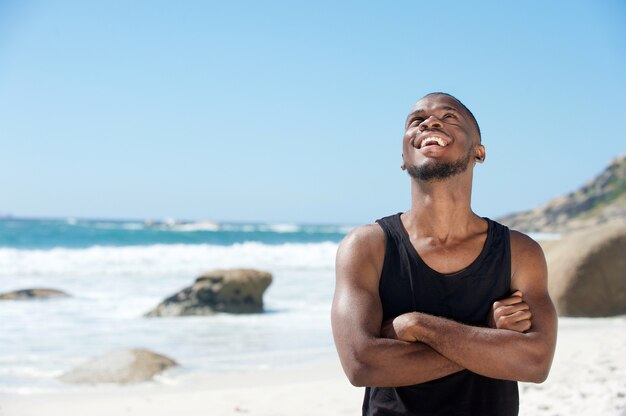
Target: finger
{"points": [[521, 316], [514, 317], [513, 297], [510, 321], [508, 310], [507, 301], [521, 326]]}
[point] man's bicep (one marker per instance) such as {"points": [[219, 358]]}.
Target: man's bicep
{"points": [[531, 278], [356, 309], [356, 314]]}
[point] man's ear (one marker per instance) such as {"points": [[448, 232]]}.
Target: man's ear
{"points": [[480, 153]]}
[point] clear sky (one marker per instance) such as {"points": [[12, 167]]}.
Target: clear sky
{"points": [[292, 111]]}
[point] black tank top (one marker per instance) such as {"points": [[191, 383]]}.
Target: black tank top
{"points": [[408, 284]]}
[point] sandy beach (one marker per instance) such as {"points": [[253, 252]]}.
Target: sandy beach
{"points": [[319, 390], [588, 377]]}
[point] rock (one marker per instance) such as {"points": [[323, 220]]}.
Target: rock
{"points": [[587, 271], [599, 201], [231, 291], [119, 366], [33, 294]]}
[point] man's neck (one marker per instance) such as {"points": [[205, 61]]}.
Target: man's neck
{"points": [[441, 210]]}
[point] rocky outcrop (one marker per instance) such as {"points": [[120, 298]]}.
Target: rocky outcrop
{"points": [[600, 201], [231, 291], [33, 294], [120, 366], [587, 271]]}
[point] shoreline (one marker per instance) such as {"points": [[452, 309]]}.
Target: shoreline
{"points": [[303, 390], [588, 377]]}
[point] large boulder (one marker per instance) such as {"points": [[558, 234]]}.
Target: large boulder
{"points": [[36, 293], [587, 271], [231, 291], [119, 366]]}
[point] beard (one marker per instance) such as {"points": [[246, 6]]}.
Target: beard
{"points": [[439, 171]]}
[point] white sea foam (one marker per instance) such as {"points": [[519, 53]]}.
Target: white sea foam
{"points": [[112, 287], [172, 225], [130, 226], [280, 228], [28, 371], [161, 260], [196, 226]]}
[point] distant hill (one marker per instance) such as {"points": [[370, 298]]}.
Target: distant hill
{"points": [[601, 200]]}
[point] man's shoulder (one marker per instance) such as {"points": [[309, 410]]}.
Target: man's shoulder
{"points": [[526, 253], [362, 251], [368, 241], [364, 237], [523, 244]]}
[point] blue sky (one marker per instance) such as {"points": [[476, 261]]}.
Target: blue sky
{"points": [[280, 111]]}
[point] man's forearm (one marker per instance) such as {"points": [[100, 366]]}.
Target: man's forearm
{"points": [[385, 362], [495, 353]]}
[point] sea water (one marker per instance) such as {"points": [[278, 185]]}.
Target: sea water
{"points": [[116, 271]]}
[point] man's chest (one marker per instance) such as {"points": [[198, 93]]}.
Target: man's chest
{"points": [[451, 258]]}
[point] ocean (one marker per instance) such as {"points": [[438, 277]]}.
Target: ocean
{"points": [[118, 270]]}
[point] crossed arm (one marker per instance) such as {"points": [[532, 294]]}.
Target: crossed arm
{"points": [[415, 347]]}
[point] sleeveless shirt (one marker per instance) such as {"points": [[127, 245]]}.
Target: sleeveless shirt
{"points": [[408, 284]]}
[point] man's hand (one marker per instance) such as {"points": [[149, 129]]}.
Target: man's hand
{"points": [[398, 328], [511, 313]]}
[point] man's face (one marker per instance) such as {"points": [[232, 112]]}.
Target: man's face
{"points": [[440, 139]]}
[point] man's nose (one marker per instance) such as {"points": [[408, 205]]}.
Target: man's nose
{"points": [[430, 123]]}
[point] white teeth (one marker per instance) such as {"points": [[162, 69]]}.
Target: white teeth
{"points": [[433, 140]]}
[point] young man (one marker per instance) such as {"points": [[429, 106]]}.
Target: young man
{"points": [[439, 311]]}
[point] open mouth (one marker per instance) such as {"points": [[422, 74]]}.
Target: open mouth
{"points": [[432, 141]]}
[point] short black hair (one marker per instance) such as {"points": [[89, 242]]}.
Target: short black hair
{"points": [[464, 106]]}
